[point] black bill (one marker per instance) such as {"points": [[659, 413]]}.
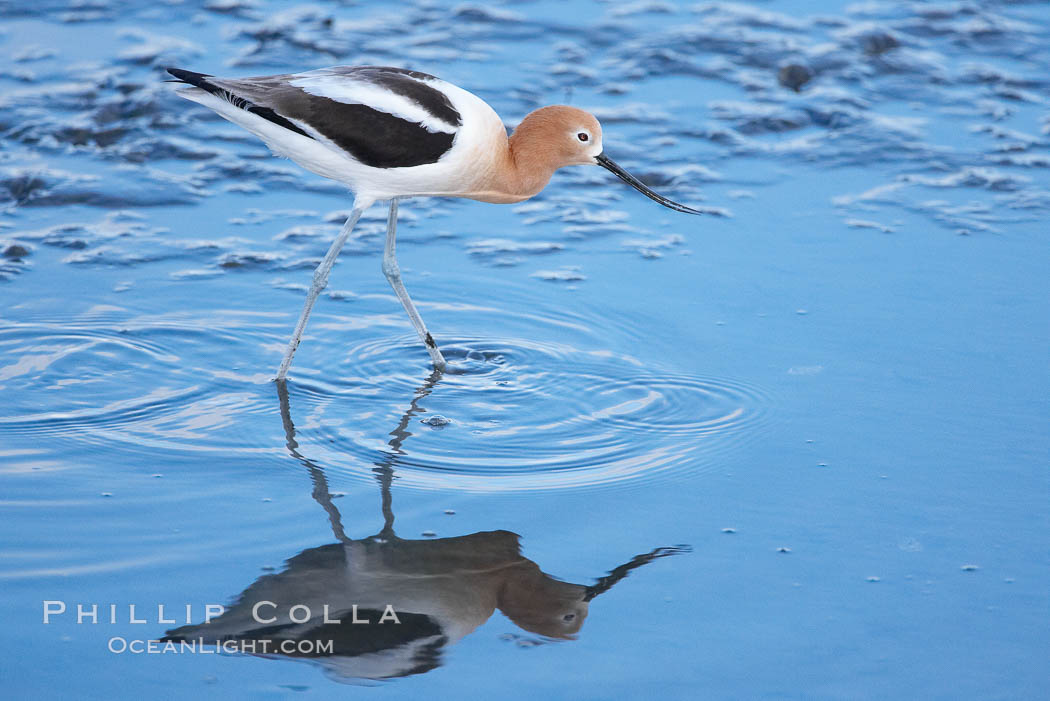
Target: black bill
{"points": [[605, 162]]}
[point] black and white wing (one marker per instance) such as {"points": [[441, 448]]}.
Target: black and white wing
{"points": [[381, 117]]}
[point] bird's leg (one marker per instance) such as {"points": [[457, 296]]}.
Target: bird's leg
{"points": [[319, 282], [393, 275]]}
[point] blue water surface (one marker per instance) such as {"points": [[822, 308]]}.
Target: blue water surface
{"points": [[793, 448]]}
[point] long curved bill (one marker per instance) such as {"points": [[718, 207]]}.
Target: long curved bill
{"points": [[607, 163]]}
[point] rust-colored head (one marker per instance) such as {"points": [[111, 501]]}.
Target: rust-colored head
{"points": [[557, 136]]}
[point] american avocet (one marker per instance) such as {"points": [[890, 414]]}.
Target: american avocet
{"points": [[390, 133]]}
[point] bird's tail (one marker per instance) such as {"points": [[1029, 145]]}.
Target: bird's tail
{"points": [[198, 80]]}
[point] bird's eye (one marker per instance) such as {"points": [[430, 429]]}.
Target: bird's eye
{"points": [[582, 136], [571, 616]]}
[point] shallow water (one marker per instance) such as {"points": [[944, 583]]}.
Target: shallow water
{"points": [[793, 449]]}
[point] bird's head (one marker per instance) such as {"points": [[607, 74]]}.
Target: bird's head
{"points": [[558, 135]]}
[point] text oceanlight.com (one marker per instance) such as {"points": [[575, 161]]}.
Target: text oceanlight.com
{"points": [[201, 646]]}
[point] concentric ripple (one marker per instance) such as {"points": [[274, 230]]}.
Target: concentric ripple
{"points": [[518, 415], [131, 380], [513, 411]]}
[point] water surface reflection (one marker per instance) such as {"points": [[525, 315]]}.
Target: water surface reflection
{"points": [[382, 607]]}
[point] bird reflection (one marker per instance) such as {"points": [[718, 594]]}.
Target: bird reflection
{"points": [[385, 607]]}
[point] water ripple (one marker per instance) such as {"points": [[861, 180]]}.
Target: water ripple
{"points": [[519, 414], [514, 412], [121, 380]]}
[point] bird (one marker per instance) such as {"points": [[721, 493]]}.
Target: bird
{"points": [[390, 133]]}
